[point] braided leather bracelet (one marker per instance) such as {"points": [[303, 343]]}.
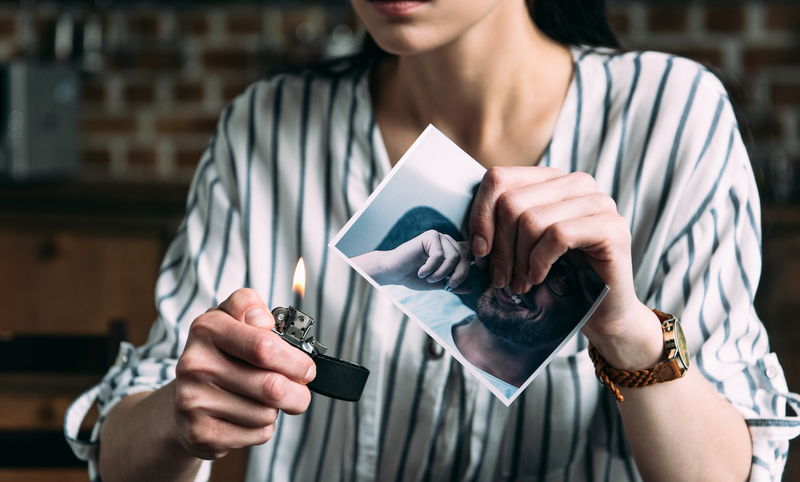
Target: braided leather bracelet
{"points": [[675, 366]]}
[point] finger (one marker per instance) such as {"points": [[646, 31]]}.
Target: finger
{"points": [[256, 346], [482, 262], [534, 222], [501, 260], [451, 259], [210, 438], [464, 288], [512, 204], [242, 301], [432, 246], [464, 264], [225, 405], [496, 181], [246, 412], [259, 317], [268, 387], [603, 237]]}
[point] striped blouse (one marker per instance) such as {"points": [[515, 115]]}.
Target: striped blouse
{"points": [[295, 156]]}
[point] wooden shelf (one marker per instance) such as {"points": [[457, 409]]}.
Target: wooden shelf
{"points": [[118, 206]]}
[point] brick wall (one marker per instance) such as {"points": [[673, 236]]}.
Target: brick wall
{"points": [[167, 73], [755, 48]]}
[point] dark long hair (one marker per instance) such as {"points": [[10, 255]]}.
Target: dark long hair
{"points": [[574, 22], [570, 22]]}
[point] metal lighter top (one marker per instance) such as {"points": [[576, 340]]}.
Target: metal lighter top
{"points": [[335, 378]]}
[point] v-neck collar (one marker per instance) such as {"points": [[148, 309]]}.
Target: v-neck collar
{"points": [[382, 155]]}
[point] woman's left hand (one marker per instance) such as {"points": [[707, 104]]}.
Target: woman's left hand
{"points": [[524, 218]]}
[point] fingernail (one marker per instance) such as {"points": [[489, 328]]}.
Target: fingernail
{"points": [[453, 284], [498, 278], [311, 373], [479, 246], [257, 317]]}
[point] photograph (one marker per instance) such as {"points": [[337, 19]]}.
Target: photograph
{"points": [[410, 241]]}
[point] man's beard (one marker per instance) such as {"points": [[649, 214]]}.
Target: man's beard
{"points": [[519, 328]]}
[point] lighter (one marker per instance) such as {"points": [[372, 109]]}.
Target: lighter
{"points": [[335, 378]]}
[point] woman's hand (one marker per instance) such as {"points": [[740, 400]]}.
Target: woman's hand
{"points": [[524, 218], [234, 376], [428, 262]]}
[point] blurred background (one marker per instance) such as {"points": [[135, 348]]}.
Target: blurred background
{"points": [[106, 106]]}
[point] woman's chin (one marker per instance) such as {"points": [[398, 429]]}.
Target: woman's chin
{"points": [[400, 50], [408, 41]]}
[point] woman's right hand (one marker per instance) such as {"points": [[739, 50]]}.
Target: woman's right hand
{"points": [[234, 376]]}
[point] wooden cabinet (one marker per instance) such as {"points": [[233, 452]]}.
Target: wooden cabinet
{"points": [[73, 256], [63, 281]]}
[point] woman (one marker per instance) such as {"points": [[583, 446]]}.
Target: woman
{"points": [[667, 215]]}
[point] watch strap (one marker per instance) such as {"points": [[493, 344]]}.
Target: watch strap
{"points": [[611, 377], [338, 379]]}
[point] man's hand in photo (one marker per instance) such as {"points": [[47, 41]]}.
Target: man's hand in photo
{"points": [[430, 261]]}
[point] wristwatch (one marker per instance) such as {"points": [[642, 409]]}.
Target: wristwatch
{"points": [[674, 367]]}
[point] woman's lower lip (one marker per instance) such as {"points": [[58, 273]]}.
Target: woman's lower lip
{"points": [[397, 8]]}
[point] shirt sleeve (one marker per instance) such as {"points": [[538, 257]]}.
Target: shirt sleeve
{"points": [[707, 275], [205, 262]]}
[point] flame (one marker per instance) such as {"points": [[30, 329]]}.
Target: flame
{"points": [[299, 281]]}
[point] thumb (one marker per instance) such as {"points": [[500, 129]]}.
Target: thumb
{"points": [[245, 305], [433, 250], [259, 317]]}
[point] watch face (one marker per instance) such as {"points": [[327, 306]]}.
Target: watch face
{"points": [[680, 340]]}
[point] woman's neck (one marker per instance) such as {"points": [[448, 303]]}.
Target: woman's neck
{"points": [[501, 82]]}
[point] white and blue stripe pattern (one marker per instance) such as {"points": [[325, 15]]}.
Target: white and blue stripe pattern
{"points": [[295, 156]]}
